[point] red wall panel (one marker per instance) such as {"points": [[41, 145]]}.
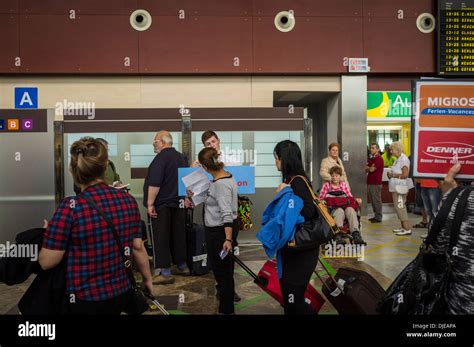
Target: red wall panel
{"points": [[238, 8], [115, 7], [91, 44], [197, 45], [335, 8], [9, 49], [394, 45], [213, 33], [8, 6], [389, 8], [390, 83], [317, 44]]}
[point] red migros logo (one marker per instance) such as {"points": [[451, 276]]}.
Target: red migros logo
{"points": [[448, 150]]}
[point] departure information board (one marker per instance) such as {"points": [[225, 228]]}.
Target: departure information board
{"points": [[456, 38]]}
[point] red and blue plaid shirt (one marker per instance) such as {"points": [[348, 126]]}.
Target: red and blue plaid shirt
{"points": [[95, 269]]}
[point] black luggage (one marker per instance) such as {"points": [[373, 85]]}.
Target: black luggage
{"points": [[352, 291], [196, 249]]}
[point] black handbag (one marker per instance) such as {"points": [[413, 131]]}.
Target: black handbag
{"points": [[317, 231], [137, 303], [422, 287]]}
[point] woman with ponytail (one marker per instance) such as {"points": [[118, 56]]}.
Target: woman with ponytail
{"points": [[220, 221], [96, 278]]}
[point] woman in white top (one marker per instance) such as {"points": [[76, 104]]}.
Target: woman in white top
{"points": [[399, 185]]}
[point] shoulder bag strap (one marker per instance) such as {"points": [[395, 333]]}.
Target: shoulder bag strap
{"points": [[442, 215], [322, 208], [126, 261]]}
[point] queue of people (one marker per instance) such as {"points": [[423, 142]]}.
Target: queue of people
{"points": [[96, 275]]}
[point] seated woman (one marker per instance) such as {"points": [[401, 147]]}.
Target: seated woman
{"points": [[340, 213]]}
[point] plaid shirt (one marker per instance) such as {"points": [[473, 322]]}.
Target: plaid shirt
{"points": [[95, 269], [327, 187]]}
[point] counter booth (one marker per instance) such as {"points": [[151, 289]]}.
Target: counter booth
{"points": [[248, 133]]}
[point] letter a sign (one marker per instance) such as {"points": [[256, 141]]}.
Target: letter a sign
{"points": [[26, 97]]}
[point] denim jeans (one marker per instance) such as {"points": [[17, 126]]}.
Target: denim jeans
{"points": [[431, 198]]}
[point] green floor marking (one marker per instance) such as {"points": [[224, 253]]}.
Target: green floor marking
{"points": [[178, 312], [329, 267], [241, 272], [252, 301]]}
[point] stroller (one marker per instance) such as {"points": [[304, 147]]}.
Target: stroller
{"points": [[339, 199]]}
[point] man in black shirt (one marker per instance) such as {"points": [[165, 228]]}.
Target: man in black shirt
{"points": [[166, 211]]}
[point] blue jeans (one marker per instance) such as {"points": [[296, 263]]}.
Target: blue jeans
{"points": [[431, 198]]}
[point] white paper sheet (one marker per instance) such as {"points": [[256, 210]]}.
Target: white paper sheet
{"points": [[198, 183]]}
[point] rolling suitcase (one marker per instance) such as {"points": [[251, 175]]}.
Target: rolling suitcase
{"points": [[352, 291], [196, 250], [267, 279]]}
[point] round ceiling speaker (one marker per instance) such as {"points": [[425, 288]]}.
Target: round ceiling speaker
{"points": [[140, 20], [285, 21], [426, 23]]}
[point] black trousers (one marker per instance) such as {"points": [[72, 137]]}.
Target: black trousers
{"points": [[113, 306], [297, 270], [169, 237], [223, 269]]}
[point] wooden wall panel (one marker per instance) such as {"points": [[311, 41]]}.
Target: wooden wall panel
{"points": [[239, 8], [9, 6], [384, 83], [393, 45], [389, 8], [213, 33], [9, 38], [334, 8], [197, 45], [91, 44], [308, 47], [105, 7]]}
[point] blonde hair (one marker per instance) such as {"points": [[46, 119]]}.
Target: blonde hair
{"points": [[397, 145]]}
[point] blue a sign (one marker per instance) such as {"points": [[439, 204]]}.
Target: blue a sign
{"points": [[26, 97], [243, 175]]}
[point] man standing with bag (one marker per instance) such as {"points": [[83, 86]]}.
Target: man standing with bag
{"points": [[374, 171], [160, 197]]}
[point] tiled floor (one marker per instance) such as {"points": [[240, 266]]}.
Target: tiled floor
{"points": [[384, 257]]}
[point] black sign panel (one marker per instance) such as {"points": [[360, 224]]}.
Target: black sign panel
{"points": [[23, 121], [456, 38]]}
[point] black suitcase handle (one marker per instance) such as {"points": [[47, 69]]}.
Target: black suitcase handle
{"points": [[330, 276], [258, 280]]}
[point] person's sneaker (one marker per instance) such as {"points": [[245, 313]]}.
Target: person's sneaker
{"points": [[403, 232], [424, 236], [160, 279], [375, 220], [399, 230], [181, 272], [237, 298], [357, 238]]}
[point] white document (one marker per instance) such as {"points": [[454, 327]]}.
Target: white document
{"points": [[198, 183]]}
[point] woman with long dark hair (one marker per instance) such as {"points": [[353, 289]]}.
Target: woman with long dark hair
{"points": [[297, 266]]}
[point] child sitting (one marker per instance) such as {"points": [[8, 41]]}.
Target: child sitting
{"points": [[347, 210]]}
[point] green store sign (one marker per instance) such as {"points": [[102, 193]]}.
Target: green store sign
{"points": [[388, 104]]}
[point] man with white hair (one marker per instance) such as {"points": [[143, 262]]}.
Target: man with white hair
{"points": [[160, 197]]}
